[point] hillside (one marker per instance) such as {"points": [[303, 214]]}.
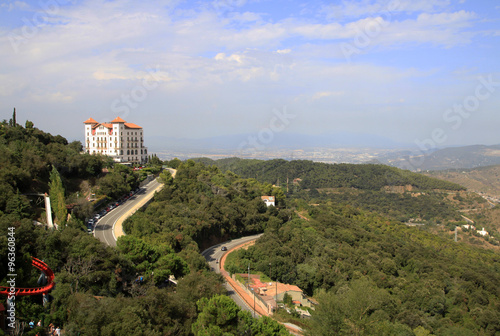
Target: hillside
{"points": [[377, 277], [484, 180], [309, 174], [465, 157]]}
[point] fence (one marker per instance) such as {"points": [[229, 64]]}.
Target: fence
{"points": [[257, 299]]}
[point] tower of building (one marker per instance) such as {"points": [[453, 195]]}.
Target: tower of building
{"points": [[122, 141]]}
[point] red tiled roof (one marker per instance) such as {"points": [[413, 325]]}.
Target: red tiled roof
{"points": [[130, 125], [268, 198], [90, 121], [107, 125], [118, 120]]}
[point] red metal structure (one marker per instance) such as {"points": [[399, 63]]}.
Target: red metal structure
{"points": [[38, 290]]}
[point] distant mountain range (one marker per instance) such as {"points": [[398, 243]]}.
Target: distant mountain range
{"points": [[447, 158], [365, 148]]}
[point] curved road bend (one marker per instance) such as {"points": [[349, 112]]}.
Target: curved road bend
{"points": [[213, 256], [106, 229]]}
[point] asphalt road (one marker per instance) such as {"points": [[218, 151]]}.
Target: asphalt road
{"points": [[213, 255], [104, 228]]}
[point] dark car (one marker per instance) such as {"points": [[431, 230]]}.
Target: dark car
{"points": [[223, 248]]}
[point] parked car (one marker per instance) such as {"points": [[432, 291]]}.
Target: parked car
{"points": [[223, 248]]}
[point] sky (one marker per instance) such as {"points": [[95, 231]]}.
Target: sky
{"points": [[424, 73]]}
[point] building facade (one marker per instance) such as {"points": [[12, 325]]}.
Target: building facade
{"points": [[122, 141], [269, 200]]}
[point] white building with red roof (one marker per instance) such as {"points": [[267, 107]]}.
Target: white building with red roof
{"points": [[122, 141], [269, 200]]}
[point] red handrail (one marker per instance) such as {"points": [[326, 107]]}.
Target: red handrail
{"points": [[37, 290]]}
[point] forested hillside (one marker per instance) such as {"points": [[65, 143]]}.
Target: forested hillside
{"points": [[27, 157], [322, 175], [205, 205], [396, 193], [373, 276], [106, 291]]}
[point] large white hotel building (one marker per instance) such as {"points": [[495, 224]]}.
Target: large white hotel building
{"points": [[122, 141]]}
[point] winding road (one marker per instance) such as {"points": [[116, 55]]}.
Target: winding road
{"points": [[109, 227], [213, 256]]}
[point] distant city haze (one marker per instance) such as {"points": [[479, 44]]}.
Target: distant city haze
{"points": [[252, 76]]}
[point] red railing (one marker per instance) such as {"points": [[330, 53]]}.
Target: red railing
{"points": [[37, 290]]}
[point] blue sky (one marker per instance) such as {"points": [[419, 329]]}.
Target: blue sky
{"points": [[400, 69]]}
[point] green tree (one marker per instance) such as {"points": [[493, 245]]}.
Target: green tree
{"points": [[174, 163], [218, 316], [57, 199]]}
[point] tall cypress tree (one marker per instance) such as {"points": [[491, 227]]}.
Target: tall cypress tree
{"points": [[57, 199]]}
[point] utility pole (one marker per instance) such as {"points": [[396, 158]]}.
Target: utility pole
{"points": [[253, 291], [254, 313], [276, 294]]}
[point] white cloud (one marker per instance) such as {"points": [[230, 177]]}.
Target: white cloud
{"points": [[13, 5], [357, 9], [324, 94], [460, 19], [284, 51]]}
